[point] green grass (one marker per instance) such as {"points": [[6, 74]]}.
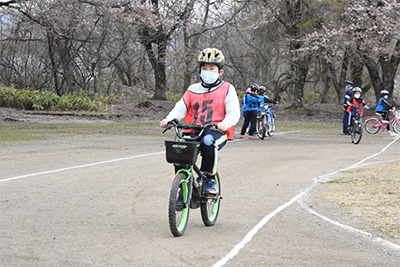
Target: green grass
{"points": [[27, 132]]}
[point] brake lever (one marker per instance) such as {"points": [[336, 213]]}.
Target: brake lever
{"points": [[166, 129]]}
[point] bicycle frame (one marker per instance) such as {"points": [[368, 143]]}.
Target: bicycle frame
{"points": [[187, 192], [380, 122], [356, 124]]}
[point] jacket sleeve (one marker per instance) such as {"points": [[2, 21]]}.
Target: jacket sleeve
{"points": [[232, 107], [386, 104], [267, 100], [178, 112]]}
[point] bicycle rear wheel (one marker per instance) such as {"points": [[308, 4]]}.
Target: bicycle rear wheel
{"points": [[271, 129], [356, 134], [372, 125], [178, 213], [396, 126], [210, 207], [261, 128]]}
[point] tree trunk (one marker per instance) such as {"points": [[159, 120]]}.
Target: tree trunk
{"points": [[301, 76], [389, 65], [158, 64], [373, 70], [356, 71], [342, 81]]}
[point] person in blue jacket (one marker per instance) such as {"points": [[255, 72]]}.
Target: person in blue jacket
{"points": [[383, 106], [264, 98], [251, 102], [346, 116], [248, 90]]}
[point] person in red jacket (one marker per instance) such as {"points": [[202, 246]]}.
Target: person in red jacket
{"points": [[356, 100]]}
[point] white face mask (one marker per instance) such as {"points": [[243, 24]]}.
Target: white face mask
{"points": [[357, 96], [209, 77], [385, 96]]}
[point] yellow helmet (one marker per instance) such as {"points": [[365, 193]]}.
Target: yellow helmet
{"points": [[213, 56]]}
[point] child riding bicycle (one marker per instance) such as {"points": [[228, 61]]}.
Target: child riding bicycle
{"points": [[383, 106], [210, 101], [357, 101]]}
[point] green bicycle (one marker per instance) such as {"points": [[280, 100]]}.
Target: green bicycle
{"points": [[187, 191]]}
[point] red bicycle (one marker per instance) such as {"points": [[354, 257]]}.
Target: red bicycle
{"points": [[373, 124]]}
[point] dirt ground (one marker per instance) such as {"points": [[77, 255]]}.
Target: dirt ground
{"points": [[109, 215]]}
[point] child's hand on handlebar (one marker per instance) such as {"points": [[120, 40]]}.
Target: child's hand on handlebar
{"points": [[222, 127], [164, 123]]}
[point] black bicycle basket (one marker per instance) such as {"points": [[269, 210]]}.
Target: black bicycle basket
{"points": [[182, 152]]}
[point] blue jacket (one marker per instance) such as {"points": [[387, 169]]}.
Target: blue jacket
{"points": [[383, 105], [251, 102], [348, 96]]}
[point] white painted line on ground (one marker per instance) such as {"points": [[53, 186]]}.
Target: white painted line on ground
{"points": [[283, 133], [79, 166], [89, 165], [255, 229], [280, 133], [385, 243]]}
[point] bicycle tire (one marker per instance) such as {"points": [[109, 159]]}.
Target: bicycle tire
{"points": [[210, 208], [178, 216], [260, 128], [356, 133], [396, 126], [371, 125], [271, 130]]}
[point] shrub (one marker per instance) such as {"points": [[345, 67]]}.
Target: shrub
{"points": [[31, 99], [173, 97]]}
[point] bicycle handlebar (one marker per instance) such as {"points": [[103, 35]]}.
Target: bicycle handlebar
{"points": [[175, 123], [358, 107]]}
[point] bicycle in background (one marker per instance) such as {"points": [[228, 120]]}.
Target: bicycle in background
{"points": [[187, 192], [265, 121], [356, 128], [373, 124]]}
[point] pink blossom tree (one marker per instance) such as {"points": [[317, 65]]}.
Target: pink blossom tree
{"points": [[368, 32]]}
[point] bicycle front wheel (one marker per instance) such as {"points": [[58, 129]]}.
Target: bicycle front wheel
{"points": [[260, 128], [396, 126], [372, 125], [357, 132], [210, 207], [271, 130], [178, 212]]}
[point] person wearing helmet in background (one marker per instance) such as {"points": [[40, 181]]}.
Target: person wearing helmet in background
{"points": [[383, 106], [357, 101], [244, 108], [252, 103], [209, 101], [346, 116], [263, 97]]}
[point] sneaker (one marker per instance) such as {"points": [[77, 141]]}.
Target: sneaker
{"points": [[251, 136], [211, 187], [241, 136], [179, 201]]}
